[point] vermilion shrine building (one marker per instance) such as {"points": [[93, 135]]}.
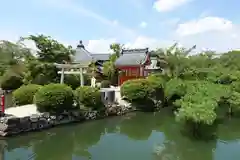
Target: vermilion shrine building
{"points": [[134, 63]]}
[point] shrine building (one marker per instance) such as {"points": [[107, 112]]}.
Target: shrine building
{"points": [[133, 64]]}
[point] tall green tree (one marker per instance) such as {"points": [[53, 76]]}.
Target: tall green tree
{"points": [[12, 56], [41, 69], [173, 59], [109, 68], [50, 50]]}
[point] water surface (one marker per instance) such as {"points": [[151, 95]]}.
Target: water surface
{"points": [[136, 136]]}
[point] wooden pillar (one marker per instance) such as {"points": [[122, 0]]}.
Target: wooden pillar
{"points": [[81, 77], [141, 71], [62, 76]]}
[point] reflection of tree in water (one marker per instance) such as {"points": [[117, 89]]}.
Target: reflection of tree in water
{"points": [[229, 130], [58, 145], [177, 146], [62, 142], [25, 140], [187, 150], [69, 141], [3, 145], [138, 127], [87, 135]]}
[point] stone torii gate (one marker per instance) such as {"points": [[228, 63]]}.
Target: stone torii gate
{"points": [[77, 69], [81, 61]]}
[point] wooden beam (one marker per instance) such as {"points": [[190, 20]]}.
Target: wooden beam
{"points": [[69, 72], [71, 65]]}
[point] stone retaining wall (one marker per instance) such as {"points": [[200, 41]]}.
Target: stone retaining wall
{"points": [[11, 125]]}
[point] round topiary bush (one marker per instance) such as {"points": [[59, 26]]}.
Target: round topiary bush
{"points": [[54, 98], [89, 97], [11, 81], [24, 95], [139, 92], [136, 90], [105, 84]]}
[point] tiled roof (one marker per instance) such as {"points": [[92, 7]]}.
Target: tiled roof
{"points": [[132, 57], [82, 55], [100, 56]]}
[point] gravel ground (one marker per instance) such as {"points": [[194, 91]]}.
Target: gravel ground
{"points": [[22, 111]]}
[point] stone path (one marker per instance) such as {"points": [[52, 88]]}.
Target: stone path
{"points": [[22, 111]]}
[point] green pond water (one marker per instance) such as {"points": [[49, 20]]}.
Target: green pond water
{"points": [[136, 136]]}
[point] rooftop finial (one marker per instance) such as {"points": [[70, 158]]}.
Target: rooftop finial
{"points": [[80, 45]]}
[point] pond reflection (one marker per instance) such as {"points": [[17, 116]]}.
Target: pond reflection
{"points": [[142, 136]]}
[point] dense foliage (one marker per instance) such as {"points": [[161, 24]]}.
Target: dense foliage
{"points": [[202, 88], [11, 80], [105, 84], [109, 69], [74, 80], [88, 97], [146, 93], [54, 98], [25, 94]]}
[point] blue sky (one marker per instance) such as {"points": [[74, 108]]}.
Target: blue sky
{"points": [[212, 24]]}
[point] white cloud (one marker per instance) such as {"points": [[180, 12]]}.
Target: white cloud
{"points": [[100, 45], [214, 40], [168, 5], [212, 33], [147, 42], [205, 24], [217, 40], [143, 24]]}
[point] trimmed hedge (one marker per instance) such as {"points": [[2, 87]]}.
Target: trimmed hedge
{"points": [[54, 98], [25, 94], [146, 93], [11, 81], [88, 96], [136, 90]]}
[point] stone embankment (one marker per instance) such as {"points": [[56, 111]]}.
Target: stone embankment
{"points": [[25, 118]]}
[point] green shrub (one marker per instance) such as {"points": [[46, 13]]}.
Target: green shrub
{"points": [[24, 95], [105, 84], [137, 89], [89, 97], [11, 81], [174, 89], [139, 92], [157, 83], [54, 98], [74, 81]]}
